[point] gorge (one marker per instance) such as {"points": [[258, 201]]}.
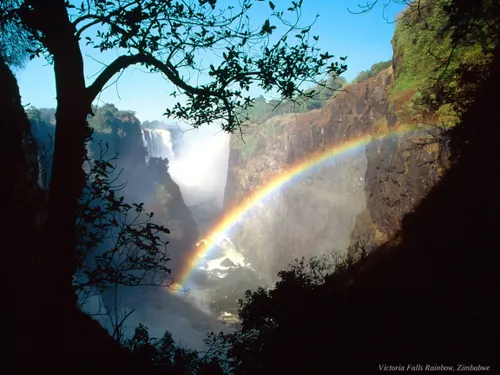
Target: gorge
{"points": [[264, 195], [358, 196], [347, 226]]}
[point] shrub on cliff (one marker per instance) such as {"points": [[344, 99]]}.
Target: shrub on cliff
{"points": [[442, 48], [373, 71]]}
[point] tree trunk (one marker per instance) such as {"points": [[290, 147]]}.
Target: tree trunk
{"points": [[67, 175]]}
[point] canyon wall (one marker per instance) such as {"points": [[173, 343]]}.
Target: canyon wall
{"points": [[356, 198]]}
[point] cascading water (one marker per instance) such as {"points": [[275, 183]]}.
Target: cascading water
{"points": [[158, 143], [43, 134]]}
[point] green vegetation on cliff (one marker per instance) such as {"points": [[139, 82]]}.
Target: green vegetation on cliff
{"points": [[433, 63], [373, 71], [107, 115], [310, 99]]}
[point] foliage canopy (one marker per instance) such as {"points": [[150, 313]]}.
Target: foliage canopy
{"points": [[168, 37]]}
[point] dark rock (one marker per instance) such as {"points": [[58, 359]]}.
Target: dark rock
{"points": [[227, 263]]}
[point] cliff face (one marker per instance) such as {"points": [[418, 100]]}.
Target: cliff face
{"points": [[359, 195], [167, 203], [148, 182], [400, 172], [151, 183]]}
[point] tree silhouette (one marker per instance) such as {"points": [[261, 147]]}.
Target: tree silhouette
{"points": [[280, 327], [164, 357]]}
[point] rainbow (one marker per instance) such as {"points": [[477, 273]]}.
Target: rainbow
{"points": [[231, 218]]}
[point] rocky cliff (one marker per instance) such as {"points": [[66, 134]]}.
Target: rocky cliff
{"points": [[359, 196], [400, 172], [145, 179]]}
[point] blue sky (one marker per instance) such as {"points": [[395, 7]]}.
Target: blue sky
{"points": [[364, 38]]}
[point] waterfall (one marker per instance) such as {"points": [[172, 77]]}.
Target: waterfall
{"points": [[158, 143], [43, 135], [41, 180]]}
